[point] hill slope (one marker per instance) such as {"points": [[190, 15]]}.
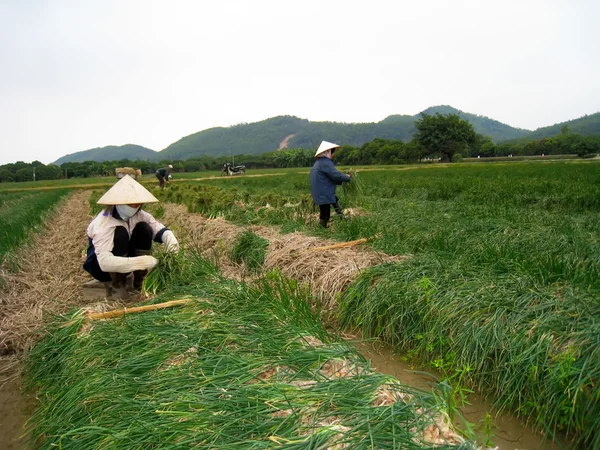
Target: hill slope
{"points": [[247, 138], [109, 153], [586, 125], [267, 135], [264, 136], [498, 131]]}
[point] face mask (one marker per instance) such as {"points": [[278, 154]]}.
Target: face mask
{"points": [[126, 211]]}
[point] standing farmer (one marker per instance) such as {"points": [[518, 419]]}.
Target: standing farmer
{"points": [[164, 174], [120, 238], [324, 179]]}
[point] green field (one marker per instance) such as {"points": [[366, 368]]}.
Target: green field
{"points": [[501, 291], [21, 213]]}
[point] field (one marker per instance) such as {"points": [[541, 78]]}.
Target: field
{"points": [[237, 367], [491, 279], [20, 214], [501, 291]]}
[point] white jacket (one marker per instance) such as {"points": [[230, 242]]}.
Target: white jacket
{"points": [[101, 232]]}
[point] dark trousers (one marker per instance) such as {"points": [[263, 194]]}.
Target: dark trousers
{"points": [[139, 244], [161, 180], [325, 211]]}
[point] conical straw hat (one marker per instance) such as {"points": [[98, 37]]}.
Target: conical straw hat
{"points": [[127, 191], [325, 146]]}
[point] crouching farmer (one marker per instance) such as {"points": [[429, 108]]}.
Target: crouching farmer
{"points": [[120, 238], [324, 179]]}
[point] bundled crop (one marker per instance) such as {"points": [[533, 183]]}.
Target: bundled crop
{"points": [[237, 367], [355, 189], [174, 268]]}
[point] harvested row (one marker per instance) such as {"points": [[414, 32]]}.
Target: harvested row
{"points": [[50, 278], [329, 272], [236, 367]]}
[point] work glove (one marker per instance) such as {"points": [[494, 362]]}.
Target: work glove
{"points": [[168, 238], [119, 264]]}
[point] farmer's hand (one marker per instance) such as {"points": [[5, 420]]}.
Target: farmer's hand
{"points": [[145, 262], [168, 238]]}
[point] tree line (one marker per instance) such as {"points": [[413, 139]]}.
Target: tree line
{"points": [[438, 137]]}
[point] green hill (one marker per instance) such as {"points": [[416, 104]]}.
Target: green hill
{"points": [[247, 138], [498, 131], [109, 153], [586, 126], [268, 135], [264, 136]]}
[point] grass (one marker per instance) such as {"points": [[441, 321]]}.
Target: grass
{"points": [[249, 249], [502, 291], [239, 367], [20, 215]]}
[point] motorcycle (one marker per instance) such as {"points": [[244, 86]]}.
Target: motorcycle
{"points": [[230, 169]]}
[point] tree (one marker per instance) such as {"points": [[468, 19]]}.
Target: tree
{"points": [[445, 135], [6, 176], [49, 172], [24, 174]]}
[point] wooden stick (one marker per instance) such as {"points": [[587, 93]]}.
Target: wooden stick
{"points": [[340, 245], [137, 309]]}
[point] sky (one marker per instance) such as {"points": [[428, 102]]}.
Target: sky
{"points": [[79, 74]]}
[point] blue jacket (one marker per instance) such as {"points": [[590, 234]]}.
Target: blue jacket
{"points": [[324, 178]]}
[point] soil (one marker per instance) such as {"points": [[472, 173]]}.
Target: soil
{"points": [[15, 408], [284, 143]]}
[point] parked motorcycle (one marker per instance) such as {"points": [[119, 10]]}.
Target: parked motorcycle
{"points": [[230, 169]]}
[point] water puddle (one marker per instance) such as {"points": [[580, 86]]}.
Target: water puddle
{"points": [[509, 433]]}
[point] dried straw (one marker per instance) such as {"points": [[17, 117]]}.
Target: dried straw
{"points": [[328, 272]]}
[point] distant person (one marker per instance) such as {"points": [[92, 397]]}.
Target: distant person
{"points": [[324, 179], [120, 238], [164, 174]]}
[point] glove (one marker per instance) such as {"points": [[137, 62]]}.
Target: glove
{"points": [[119, 264], [168, 238]]}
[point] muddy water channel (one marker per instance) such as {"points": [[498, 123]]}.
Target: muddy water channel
{"points": [[508, 432]]}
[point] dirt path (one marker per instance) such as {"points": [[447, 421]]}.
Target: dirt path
{"points": [[284, 143]]}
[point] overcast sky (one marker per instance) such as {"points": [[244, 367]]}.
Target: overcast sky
{"points": [[88, 73]]}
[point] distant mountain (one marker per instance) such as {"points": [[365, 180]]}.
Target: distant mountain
{"points": [[109, 153], [267, 135], [498, 131], [586, 126], [293, 132], [247, 138]]}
